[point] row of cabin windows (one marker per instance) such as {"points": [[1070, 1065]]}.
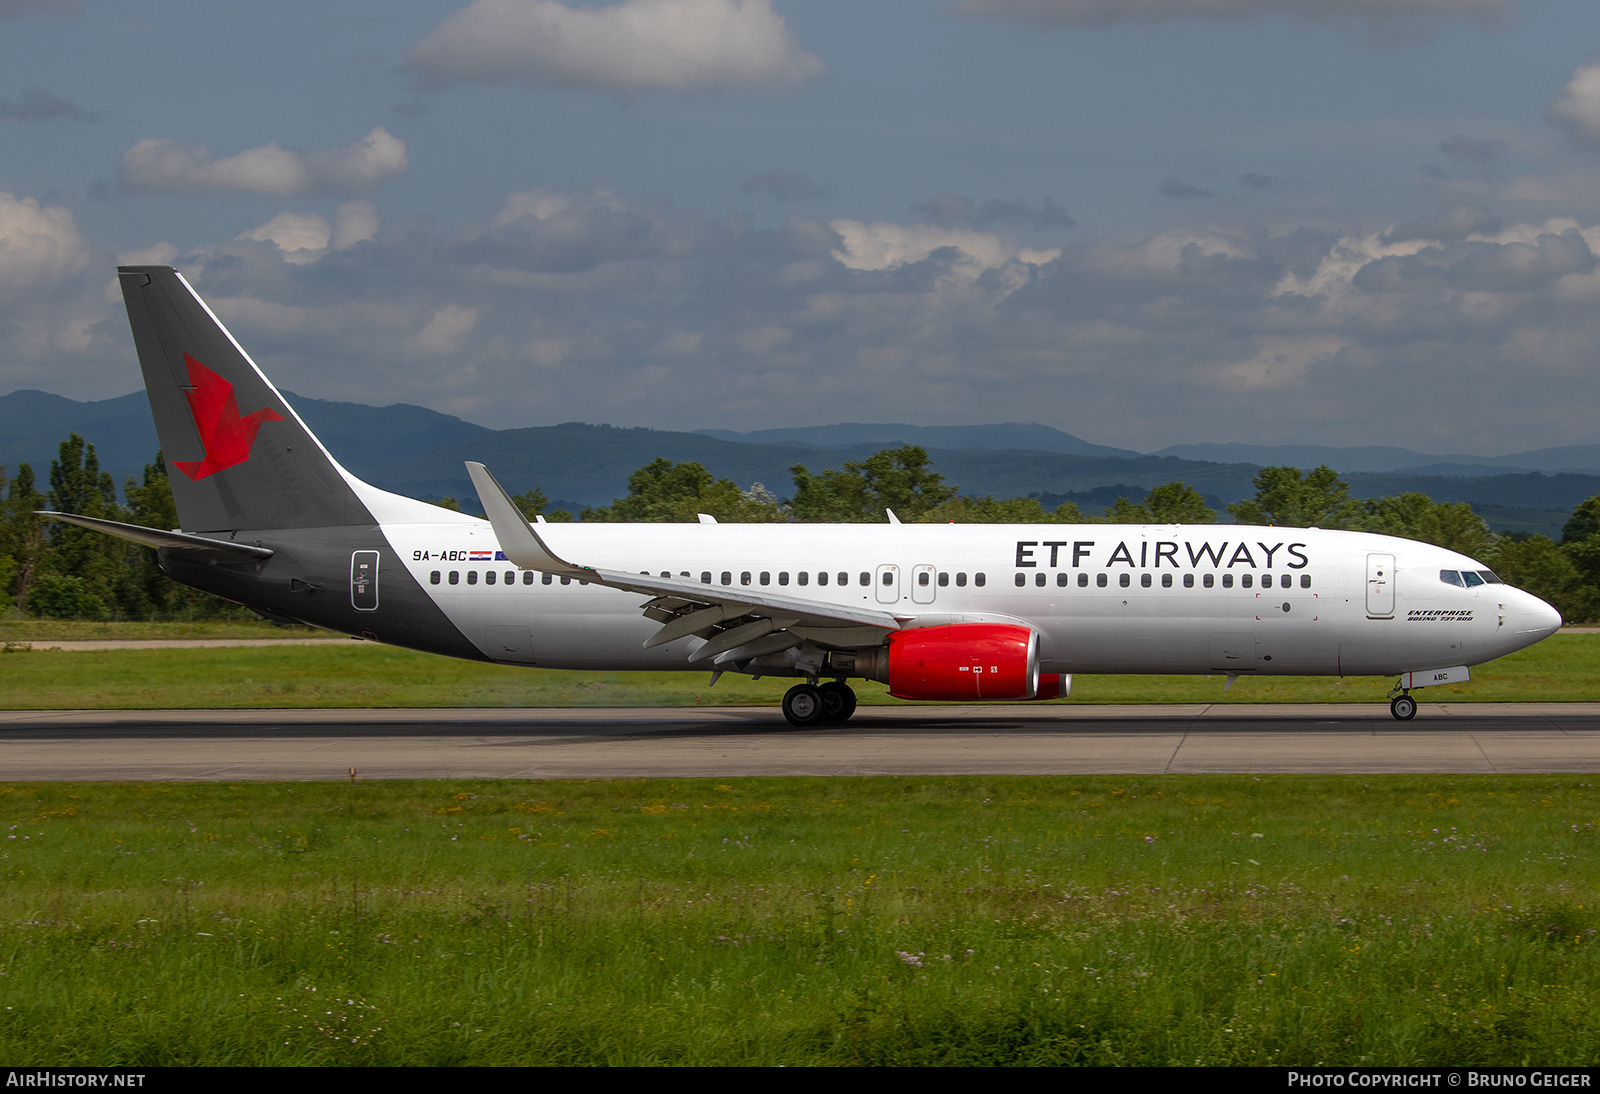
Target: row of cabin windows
{"points": [[745, 578], [842, 578], [1124, 580], [490, 576]]}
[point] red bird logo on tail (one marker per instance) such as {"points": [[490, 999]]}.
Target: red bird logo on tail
{"points": [[227, 437]]}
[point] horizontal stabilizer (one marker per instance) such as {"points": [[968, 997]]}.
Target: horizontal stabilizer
{"points": [[155, 537]]}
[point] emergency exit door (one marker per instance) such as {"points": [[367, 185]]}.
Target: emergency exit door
{"points": [[364, 581], [1380, 586]]}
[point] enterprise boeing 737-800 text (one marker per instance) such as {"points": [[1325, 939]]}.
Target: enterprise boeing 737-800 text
{"points": [[963, 613]]}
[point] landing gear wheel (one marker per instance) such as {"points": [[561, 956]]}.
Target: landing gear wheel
{"points": [[802, 705], [838, 702], [1403, 707]]}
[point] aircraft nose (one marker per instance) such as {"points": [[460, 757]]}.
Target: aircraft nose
{"points": [[1533, 619]]}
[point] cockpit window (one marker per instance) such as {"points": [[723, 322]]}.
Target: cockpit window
{"points": [[1450, 577], [1490, 578], [1471, 578]]}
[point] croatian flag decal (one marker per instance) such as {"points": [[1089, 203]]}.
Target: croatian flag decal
{"points": [[481, 556]]}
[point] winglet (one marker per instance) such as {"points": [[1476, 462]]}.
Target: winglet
{"points": [[520, 543]]}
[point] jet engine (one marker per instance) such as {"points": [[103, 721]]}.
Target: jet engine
{"points": [[960, 662]]}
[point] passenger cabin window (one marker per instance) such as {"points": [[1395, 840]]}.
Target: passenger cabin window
{"points": [[488, 578], [455, 577], [803, 577], [844, 578], [433, 578], [922, 579], [545, 579], [944, 580], [783, 577], [1209, 580], [1083, 581], [744, 578], [566, 581], [866, 578], [1061, 580], [1227, 581], [961, 580], [1144, 581], [727, 577], [472, 577], [1100, 580], [1305, 581], [766, 578], [888, 578], [1245, 581], [1166, 581], [1124, 580], [1021, 579], [822, 577], [527, 577], [1266, 581], [977, 579], [705, 577], [1188, 581]]}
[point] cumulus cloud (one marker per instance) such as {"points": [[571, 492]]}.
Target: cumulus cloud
{"points": [[627, 48], [591, 305], [1576, 111], [38, 104], [39, 245], [884, 245], [949, 209], [164, 166], [446, 330], [293, 232], [786, 185], [1384, 20], [1447, 226]]}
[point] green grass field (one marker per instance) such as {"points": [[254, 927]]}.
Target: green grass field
{"points": [[1563, 668], [1394, 920], [19, 628]]}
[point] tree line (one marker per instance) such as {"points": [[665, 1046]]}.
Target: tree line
{"points": [[59, 570]]}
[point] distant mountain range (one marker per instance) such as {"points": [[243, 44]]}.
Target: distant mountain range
{"points": [[416, 451]]}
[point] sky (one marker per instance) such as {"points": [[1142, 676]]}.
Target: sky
{"points": [[1146, 222]]}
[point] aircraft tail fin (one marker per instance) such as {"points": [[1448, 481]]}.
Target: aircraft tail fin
{"points": [[237, 454]]}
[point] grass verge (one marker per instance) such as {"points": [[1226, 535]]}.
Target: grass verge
{"points": [[1563, 668], [1296, 920]]}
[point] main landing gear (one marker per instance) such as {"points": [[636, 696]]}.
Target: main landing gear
{"points": [[810, 705]]}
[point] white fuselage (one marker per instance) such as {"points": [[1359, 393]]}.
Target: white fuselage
{"points": [[1103, 598]]}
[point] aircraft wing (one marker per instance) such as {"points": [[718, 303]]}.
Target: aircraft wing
{"points": [[737, 622]]}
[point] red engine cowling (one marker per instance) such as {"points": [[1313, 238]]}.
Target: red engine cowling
{"points": [[964, 662]]}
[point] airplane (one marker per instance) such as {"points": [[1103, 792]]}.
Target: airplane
{"points": [[958, 613]]}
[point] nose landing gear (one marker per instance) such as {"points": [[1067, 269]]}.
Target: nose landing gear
{"points": [[1401, 705]]}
